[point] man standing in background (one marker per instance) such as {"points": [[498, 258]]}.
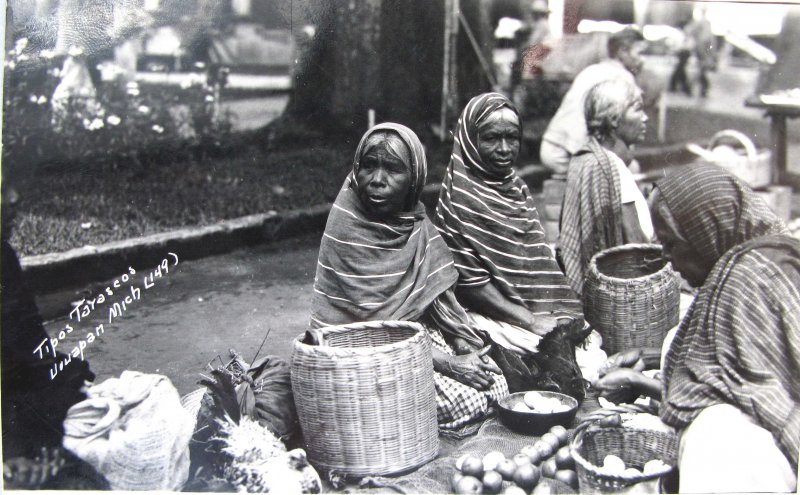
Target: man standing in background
{"points": [[567, 133]]}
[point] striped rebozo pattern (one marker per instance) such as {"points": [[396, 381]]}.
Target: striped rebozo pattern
{"points": [[592, 214], [740, 341], [398, 269], [492, 226]]}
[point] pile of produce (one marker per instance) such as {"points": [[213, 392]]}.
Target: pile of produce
{"points": [[548, 457], [614, 466], [535, 402]]}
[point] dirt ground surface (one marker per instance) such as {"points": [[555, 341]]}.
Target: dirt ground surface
{"points": [[197, 312]]}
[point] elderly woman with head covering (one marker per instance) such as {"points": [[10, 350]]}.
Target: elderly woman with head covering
{"points": [[730, 374], [508, 276], [603, 207], [382, 259]]}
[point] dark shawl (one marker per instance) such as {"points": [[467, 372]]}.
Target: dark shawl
{"points": [[591, 218], [399, 269], [740, 341], [492, 226]]}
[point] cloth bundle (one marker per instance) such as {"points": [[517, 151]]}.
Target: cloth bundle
{"points": [[266, 396], [134, 431]]}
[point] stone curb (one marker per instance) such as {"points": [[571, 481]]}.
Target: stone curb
{"points": [[80, 266]]}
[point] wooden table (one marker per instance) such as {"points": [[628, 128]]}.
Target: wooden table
{"points": [[778, 111]]}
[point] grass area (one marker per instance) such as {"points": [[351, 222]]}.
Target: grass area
{"points": [[61, 209], [64, 207]]}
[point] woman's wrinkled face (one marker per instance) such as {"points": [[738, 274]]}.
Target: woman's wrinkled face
{"points": [[677, 250], [384, 179], [632, 124], [499, 140]]}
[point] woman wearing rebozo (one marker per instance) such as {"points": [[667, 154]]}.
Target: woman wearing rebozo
{"points": [[730, 375], [509, 278], [382, 259], [603, 206]]}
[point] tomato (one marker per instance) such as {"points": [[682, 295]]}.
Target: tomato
{"points": [[544, 448], [532, 452], [527, 476], [492, 459], [549, 468], [564, 459], [472, 466], [521, 460], [552, 440], [469, 485], [492, 482], [568, 477], [514, 490], [560, 432], [506, 469]]}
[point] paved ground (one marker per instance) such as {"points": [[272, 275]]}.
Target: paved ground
{"points": [[200, 310]]}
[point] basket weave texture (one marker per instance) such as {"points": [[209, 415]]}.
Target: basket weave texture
{"points": [[365, 397], [752, 166], [631, 296], [592, 441]]}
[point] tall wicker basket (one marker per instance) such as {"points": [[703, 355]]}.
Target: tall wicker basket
{"points": [[366, 399], [631, 296]]}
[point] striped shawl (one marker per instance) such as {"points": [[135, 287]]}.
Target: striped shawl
{"points": [[399, 269], [591, 218], [492, 226], [740, 341]]}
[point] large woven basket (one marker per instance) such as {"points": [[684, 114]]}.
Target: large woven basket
{"points": [[631, 296], [597, 437], [365, 398]]}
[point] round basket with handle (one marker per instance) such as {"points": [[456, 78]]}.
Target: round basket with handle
{"points": [[633, 435], [747, 163], [631, 296], [365, 397]]}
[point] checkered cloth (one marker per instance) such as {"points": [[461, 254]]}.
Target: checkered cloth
{"points": [[458, 404]]}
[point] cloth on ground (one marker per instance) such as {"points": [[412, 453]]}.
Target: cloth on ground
{"points": [[134, 431], [492, 226], [739, 342]]}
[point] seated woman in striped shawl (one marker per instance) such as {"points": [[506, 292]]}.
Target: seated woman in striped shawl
{"points": [[603, 206], [382, 259], [730, 374], [508, 276]]}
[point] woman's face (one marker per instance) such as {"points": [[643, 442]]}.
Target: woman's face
{"points": [[633, 122], [499, 140], [677, 250], [384, 180]]}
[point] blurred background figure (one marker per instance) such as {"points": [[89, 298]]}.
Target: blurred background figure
{"points": [[679, 80], [703, 43]]}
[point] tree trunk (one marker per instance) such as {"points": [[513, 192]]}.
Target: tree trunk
{"points": [[385, 55]]}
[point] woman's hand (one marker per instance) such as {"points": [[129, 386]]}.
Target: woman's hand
{"points": [[541, 325], [620, 385], [632, 358], [473, 369]]}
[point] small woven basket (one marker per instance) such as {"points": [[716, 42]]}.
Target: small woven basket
{"points": [[596, 438], [365, 397], [631, 296]]}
